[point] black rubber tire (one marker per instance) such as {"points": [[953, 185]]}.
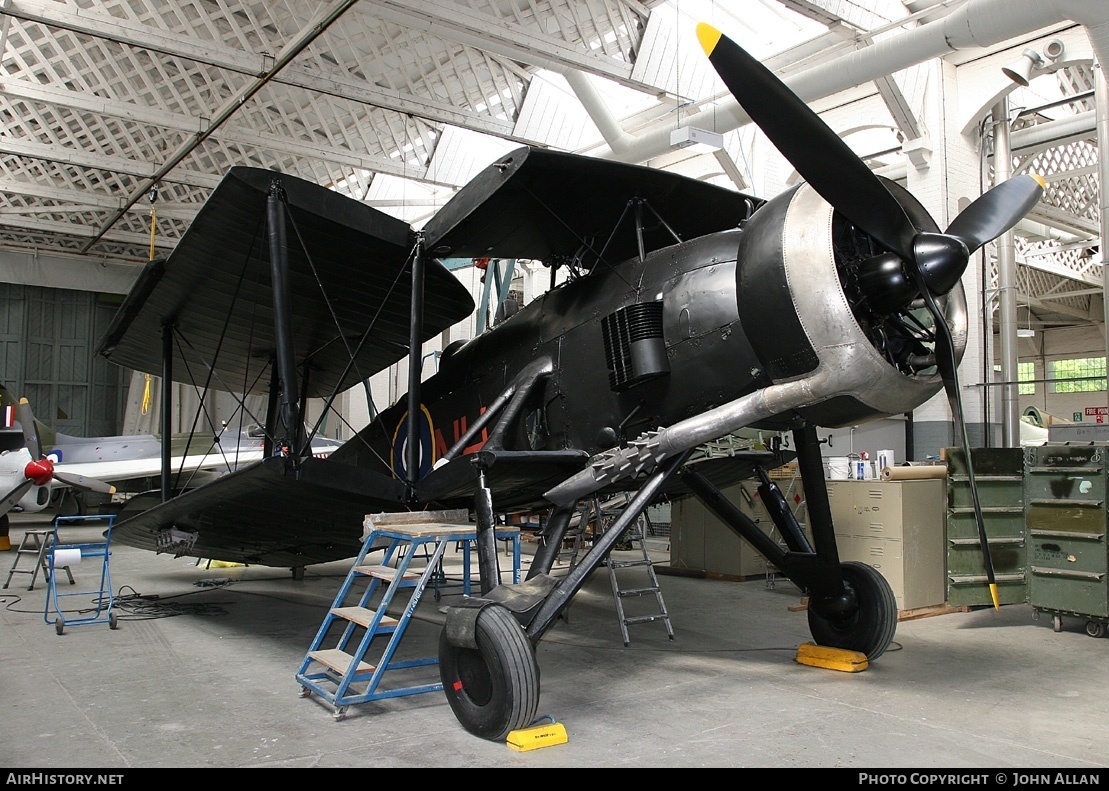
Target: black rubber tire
{"points": [[493, 689], [71, 505], [1095, 628], [870, 629]]}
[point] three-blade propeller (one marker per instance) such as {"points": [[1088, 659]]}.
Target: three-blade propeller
{"points": [[919, 263], [40, 470]]}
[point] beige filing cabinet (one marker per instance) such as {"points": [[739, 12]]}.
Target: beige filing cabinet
{"points": [[700, 541], [898, 528]]}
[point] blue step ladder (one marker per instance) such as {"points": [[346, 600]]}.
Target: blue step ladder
{"points": [[370, 608]]}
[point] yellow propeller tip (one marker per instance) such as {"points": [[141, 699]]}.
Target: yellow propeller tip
{"points": [[994, 596], [1039, 180], [708, 36]]}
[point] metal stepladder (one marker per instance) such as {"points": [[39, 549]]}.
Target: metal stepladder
{"points": [[618, 568], [61, 555], [360, 613], [36, 544], [575, 538]]}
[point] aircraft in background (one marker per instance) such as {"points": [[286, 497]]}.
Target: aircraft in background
{"points": [[691, 311], [47, 469], [28, 477]]}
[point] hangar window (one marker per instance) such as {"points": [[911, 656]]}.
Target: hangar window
{"points": [[1026, 376], [1078, 375]]}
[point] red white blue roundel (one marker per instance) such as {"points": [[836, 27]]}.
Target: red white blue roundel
{"points": [[400, 445]]}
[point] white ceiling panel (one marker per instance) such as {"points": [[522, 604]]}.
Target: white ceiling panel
{"points": [[398, 102]]}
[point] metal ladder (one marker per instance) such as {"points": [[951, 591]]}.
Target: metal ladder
{"points": [[635, 535], [359, 614], [36, 543], [573, 542]]}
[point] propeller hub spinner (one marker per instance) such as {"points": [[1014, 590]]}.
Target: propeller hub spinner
{"points": [[941, 258], [39, 472]]}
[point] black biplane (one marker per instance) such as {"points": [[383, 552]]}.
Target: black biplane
{"points": [[693, 311]]}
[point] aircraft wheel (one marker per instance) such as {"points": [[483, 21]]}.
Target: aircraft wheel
{"points": [[72, 505], [1095, 629], [869, 628], [493, 689]]}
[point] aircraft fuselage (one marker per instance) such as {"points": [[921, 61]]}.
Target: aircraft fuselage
{"points": [[632, 347]]}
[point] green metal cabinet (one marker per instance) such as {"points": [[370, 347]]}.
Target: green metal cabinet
{"points": [[1066, 522], [998, 473]]}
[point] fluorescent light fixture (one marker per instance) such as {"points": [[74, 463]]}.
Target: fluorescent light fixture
{"points": [[1025, 332], [699, 140]]}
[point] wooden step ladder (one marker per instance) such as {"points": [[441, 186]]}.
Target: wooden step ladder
{"points": [[36, 544], [413, 546], [621, 573]]}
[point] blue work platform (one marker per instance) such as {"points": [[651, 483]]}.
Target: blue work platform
{"points": [[413, 546]]}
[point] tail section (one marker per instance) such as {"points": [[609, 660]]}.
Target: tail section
{"points": [[48, 437]]}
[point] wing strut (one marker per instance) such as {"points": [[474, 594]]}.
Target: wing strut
{"points": [[167, 408], [415, 361], [289, 415]]}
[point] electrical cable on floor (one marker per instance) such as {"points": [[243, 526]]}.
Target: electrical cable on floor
{"points": [[143, 608], [139, 607]]}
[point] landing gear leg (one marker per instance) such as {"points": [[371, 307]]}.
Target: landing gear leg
{"points": [[851, 606]]}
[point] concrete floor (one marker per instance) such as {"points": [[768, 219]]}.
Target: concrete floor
{"points": [[201, 673]]}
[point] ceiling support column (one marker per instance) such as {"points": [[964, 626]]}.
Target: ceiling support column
{"points": [[1006, 290], [1101, 108]]}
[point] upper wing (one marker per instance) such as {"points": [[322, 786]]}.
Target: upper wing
{"points": [[349, 274], [540, 204]]}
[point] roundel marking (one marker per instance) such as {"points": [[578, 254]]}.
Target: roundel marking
{"points": [[399, 450]]}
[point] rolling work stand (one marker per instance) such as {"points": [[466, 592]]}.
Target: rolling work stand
{"points": [[62, 555]]}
